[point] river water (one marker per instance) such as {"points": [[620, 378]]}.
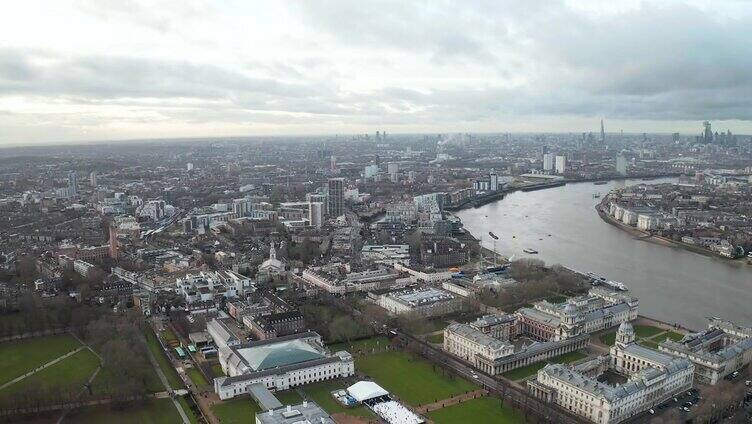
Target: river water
{"points": [[673, 285]]}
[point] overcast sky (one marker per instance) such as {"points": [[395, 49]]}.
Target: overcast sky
{"points": [[119, 69]]}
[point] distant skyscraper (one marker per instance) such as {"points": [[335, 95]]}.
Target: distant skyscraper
{"points": [[494, 180], [621, 165], [316, 214], [603, 133], [189, 166], [393, 170], [72, 183], [370, 171], [548, 161], [93, 178], [707, 136], [561, 164], [336, 197]]}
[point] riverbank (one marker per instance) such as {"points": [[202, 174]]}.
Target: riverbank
{"points": [[663, 241]]}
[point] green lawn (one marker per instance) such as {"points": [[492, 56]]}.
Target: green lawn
{"points": [[168, 335], [71, 372], [648, 343], [23, 356], [411, 379], [436, 338], [482, 410], [646, 331], [288, 397], [241, 410], [520, 373], [217, 369], [172, 375], [321, 394], [608, 338], [158, 411], [435, 325], [196, 377], [672, 335], [361, 346]]}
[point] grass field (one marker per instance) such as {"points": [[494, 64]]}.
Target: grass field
{"points": [[72, 372], [241, 410], [217, 369], [413, 380], [168, 335], [164, 363], [361, 346], [482, 410], [646, 335], [436, 338], [158, 411], [648, 343], [529, 370], [608, 338], [647, 331], [196, 377], [288, 397], [435, 325], [20, 357], [673, 336], [321, 394]]}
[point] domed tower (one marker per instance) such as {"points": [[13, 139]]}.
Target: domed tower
{"points": [[570, 314], [625, 335], [570, 322]]}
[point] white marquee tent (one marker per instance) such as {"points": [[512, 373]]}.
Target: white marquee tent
{"points": [[365, 390]]}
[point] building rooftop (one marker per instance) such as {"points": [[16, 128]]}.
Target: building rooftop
{"points": [[422, 297], [477, 336], [306, 412]]}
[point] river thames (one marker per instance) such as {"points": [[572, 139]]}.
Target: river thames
{"points": [[673, 285]]}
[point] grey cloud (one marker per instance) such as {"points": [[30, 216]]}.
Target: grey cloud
{"points": [[431, 28], [490, 61], [116, 77]]}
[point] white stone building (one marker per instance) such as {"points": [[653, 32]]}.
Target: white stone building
{"points": [[485, 343], [210, 285], [598, 310], [425, 302], [279, 364], [721, 349], [653, 378]]}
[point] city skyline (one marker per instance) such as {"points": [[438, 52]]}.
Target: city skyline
{"points": [[94, 71]]}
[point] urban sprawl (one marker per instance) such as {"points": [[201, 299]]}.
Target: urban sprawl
{"points": [[328, 279]]}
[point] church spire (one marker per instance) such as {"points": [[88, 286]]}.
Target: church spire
{"points": [[272, 252]]}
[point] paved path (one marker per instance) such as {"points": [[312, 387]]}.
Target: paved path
{"points": [[454, 400], [166, 385], [36, 370]]}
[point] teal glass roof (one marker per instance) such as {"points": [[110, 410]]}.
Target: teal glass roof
{"points": [[279, 354]]}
